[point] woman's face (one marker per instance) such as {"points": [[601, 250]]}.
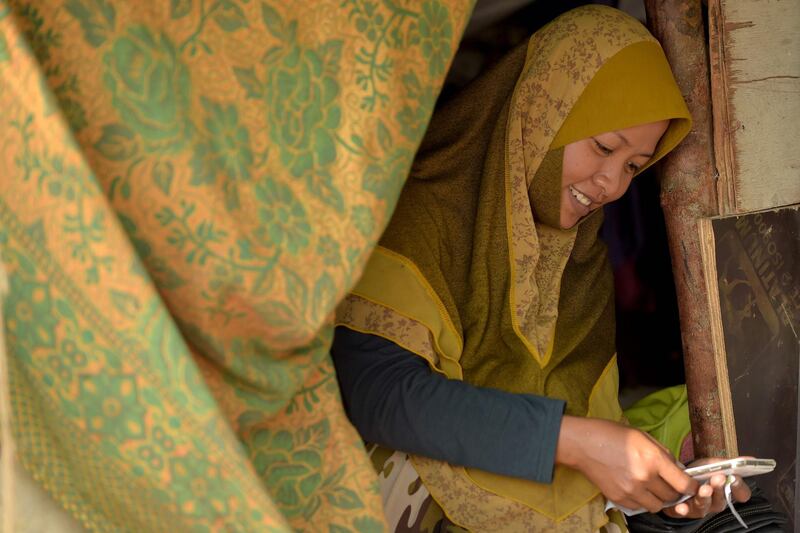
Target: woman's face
{"points": [[598, 170]]}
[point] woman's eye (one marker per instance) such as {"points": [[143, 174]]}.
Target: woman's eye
{"points": [[602, 147], [633, 168]]}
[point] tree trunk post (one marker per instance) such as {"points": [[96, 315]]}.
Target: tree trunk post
{"points": [[688, 192]]}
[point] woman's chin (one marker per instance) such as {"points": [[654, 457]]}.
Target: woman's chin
{"points": [[569, 224]]}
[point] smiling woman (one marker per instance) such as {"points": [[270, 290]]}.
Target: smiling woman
{"points": [[477, 351]]}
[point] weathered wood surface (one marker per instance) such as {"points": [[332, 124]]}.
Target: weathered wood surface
{"points": [[753, 277], [688, 193], [755, 79]]}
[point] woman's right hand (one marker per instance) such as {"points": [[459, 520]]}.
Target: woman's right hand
{"points": [[628, 466]]}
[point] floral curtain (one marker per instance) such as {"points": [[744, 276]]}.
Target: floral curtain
{"points": [[187, 189]]}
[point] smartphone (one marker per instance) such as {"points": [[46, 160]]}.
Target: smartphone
{"points": [[740, 466]]}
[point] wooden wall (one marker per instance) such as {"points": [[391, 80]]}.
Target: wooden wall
{"points": [[754, 47]]}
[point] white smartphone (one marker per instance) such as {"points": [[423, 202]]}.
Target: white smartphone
{"points": [[740, 466]]}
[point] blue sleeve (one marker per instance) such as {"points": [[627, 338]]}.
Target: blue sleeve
{"points": [[394, 399]]}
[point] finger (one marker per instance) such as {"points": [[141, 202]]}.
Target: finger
{"points": [[718, 502], [628, 503], [700, 504], [740, 490], [649, 501], [677, 478], [662, 490], [695, 507], [678, 511], [705, 492]]}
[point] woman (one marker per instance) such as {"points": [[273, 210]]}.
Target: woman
{"points": [[491, 274]]}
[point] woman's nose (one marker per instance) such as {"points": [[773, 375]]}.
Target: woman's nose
{"points": [[608, 180]]}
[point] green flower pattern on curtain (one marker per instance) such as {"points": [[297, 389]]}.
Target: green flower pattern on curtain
{"points": [[194, 186], [150, 89]]}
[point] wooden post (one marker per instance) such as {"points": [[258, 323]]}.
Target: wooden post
{"points": [[688, 192]]}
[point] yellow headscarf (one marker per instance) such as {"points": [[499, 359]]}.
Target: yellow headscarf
{"points": [[486, 287]]}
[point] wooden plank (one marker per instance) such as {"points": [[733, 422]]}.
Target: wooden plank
{"points": [[707, 251], [755, 78]]}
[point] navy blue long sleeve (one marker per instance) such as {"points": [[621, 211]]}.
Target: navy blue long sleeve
{"points": [[394, 399]]}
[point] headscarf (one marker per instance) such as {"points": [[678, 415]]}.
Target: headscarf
{"points": [[481, 281]]}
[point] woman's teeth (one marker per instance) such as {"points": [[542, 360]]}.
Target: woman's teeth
{"points": [[582, 198]]}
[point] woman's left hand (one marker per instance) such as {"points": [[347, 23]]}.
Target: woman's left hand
{"points": [[710, 497]]}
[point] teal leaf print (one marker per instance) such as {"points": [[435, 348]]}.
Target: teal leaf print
{"points": [[125, 190], [163, 173], [41, 39], [413, 119], [96, 19], [126, 303], [179, 8], [328, 249], [382, 180], [284, 221], [412, 84], [277, 314], [321, 187], [249, 81], [273, 21], [74, 113], [66, 310], [369, 19], [363, 220], [231, 196], [290, 465], [229, 16], [272, 55], [296, 291], [227, 141], [87, 232], [245, 250], [367, 524], [324, 292], [316, 435], [333, 528], [202, 165], [384, 136], [5, 55], [382, 29], [343, 498], [150, 89], [331, 52], [164, 276], [117, 142], [224, 149], [303, 111], [436, 33], [36, 232]]}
